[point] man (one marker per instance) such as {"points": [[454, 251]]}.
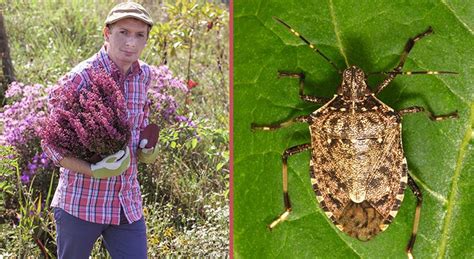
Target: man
{"points": [[104, 198]]}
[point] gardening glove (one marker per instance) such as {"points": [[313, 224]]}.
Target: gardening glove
{"points": [[147, 155], [112, 165]]}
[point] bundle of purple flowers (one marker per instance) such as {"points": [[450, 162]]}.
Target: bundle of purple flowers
{"points": [[89, 123]]}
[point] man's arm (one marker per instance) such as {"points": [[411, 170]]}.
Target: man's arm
{"points": [[71, 163], [76, 165], [112, 165]]}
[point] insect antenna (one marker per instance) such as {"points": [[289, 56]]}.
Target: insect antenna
{"points": [[392, 75], [413, 72], [312, 46]]}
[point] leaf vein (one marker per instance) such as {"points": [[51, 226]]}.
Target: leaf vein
{"points": [[454, 187], [457, 17], [337, 32]]}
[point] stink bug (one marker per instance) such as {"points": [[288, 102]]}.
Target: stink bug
{"points": [[358, 169]]}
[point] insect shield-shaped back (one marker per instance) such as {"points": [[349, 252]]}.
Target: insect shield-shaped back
{"points": [[359, 172]]}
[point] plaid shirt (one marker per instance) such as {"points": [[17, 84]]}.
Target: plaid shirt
{"points": [[99, 200]]}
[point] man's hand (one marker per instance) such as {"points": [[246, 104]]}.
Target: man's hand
{"points": [[147, 155], [112, 165]]}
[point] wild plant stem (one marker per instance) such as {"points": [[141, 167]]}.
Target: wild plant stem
{"points": [[50, 188]]}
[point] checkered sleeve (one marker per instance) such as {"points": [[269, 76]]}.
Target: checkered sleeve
{"points": [[52, 154], [146, 108]]}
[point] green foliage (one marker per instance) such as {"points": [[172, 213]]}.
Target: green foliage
{"points": [[33, 233], [191, 169], [193, 239], [8, 170], [188, 22], [370, 34], [54, 37], [26, 227], [192, 39]]}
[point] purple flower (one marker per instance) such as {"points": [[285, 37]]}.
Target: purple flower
{"points": [[32, 167], [180, 118], [38, 162], [163, 88], [25, 109], [25, 178], [91, 120], [15, 89]]}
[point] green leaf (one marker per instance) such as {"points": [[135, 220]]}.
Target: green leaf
{"points": [[219, 166], [371, 35], [38, 205]]}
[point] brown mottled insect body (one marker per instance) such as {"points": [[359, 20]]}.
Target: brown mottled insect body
{"points": [[359, 172], [358, 169]]}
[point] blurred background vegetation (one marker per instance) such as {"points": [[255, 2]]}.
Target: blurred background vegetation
{"points": [[186, 197]]}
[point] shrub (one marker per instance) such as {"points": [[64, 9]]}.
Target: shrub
{"points": [[19, 119], [87, 122]]}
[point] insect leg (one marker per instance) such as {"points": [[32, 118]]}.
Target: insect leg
{"points": [[289, 152], [301, 77], [396, 71], [415, 109], [419, 199], [304, 118]]}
